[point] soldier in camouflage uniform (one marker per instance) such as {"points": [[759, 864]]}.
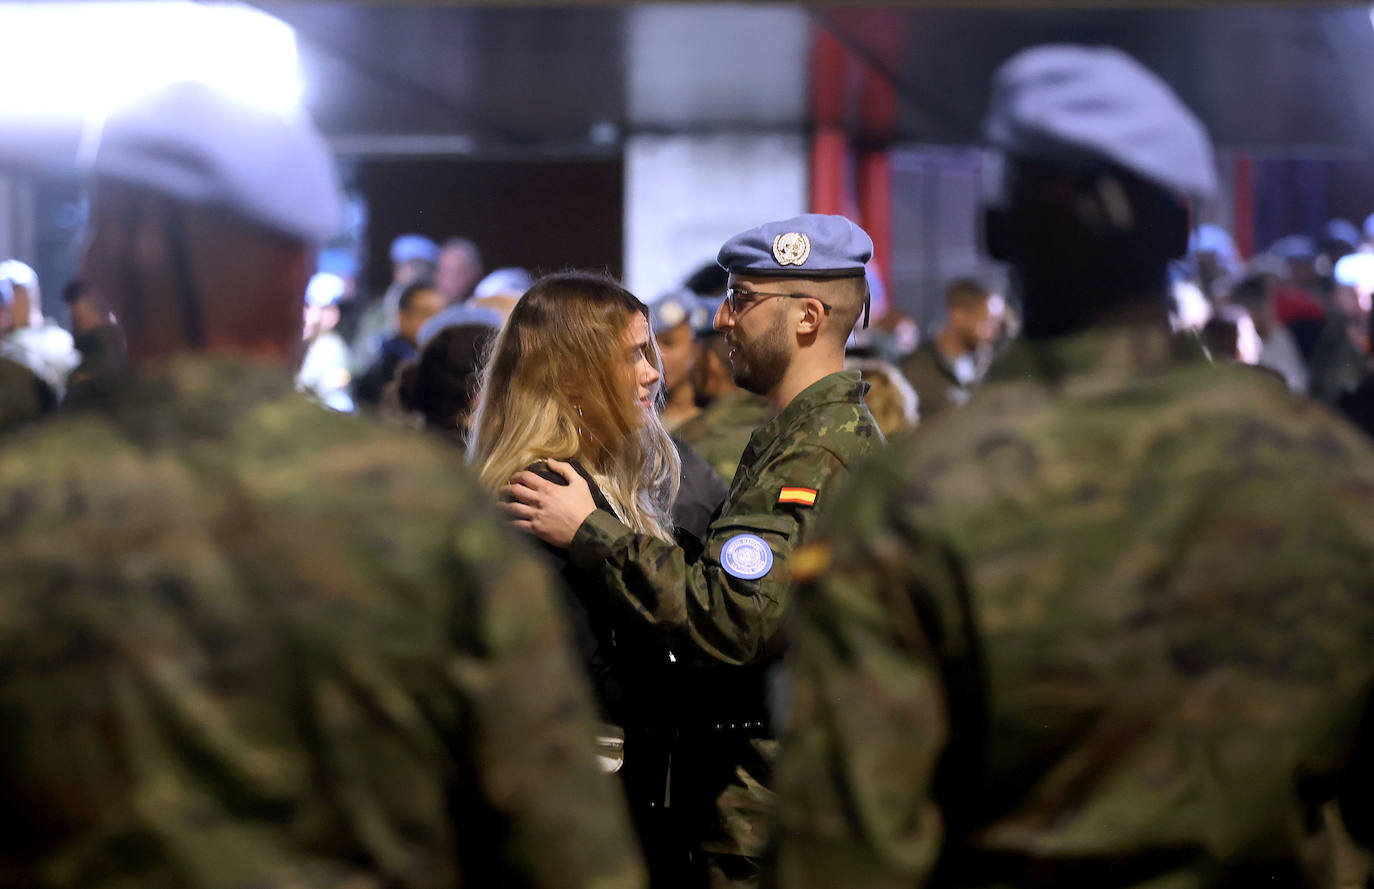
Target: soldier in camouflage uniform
{"points": [[1108, 625], [797, 289], [248, 642], [729, 414]]}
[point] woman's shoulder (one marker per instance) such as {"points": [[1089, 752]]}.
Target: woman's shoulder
{"points": [[541, 468]]}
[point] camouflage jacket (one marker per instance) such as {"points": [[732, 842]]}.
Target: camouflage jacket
{"points": [[1108, 625], [721, 432], [247, 642], [700, 607], [23, 395], [937, 388]]}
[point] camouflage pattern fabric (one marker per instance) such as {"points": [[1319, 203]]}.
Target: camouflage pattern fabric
{"points": [[249, 643], [701, 610], [707, 616], [23, 396], [1108, 625], [721, 432], [937, 388]]}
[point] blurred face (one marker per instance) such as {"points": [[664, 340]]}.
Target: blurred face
{"points": [[456, 274], [21, 309], [758, 336], [319, 320], [675, 348], [639, 360], [423, 306], [976, 325]]}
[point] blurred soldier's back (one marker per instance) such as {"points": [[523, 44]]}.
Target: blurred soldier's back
{"points": [[248, 642]]}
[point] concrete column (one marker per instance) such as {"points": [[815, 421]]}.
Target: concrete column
{"points": [[685, 194], [18, 219]]}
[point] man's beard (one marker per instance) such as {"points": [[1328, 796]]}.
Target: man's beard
{"points": [[759, 366]]}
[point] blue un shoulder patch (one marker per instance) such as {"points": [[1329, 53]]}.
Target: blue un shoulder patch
{"points": [[746, 556]]}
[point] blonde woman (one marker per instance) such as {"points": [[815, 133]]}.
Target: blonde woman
{"points": [[571, 386]]}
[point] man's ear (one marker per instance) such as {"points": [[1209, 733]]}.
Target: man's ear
{"points": [[811, 318]]}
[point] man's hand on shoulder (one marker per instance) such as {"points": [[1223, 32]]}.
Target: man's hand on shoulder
{"points": [[551, 511]]}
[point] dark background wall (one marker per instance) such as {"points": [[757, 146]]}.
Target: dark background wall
{"points": [[542, 215]]}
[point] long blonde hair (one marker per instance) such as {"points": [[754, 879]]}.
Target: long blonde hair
{"points": [[555, 386]]}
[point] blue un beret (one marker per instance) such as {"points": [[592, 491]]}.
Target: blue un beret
{"points": [[408, 247], [671, 309], [808, 246], [455, 316], [1078, 105], [207, 148]]}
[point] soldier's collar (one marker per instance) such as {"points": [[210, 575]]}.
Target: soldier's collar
{"points": [[845, 386], [1105, 355]]}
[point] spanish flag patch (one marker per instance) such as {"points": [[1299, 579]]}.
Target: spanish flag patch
{"points": [[802, 496]]}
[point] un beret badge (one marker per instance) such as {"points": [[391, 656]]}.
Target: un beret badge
{"points": [[792, 248]]}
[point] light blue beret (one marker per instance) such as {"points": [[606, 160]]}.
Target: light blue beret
{"points": [[206, 148], [704, 315], [671, 309], [1211, 238], [1342, 230], [1294, 247], [1077, 105], [1355, 270], [504, 281], [808, 246], [453, 316], [324, 289], [408, 247]]}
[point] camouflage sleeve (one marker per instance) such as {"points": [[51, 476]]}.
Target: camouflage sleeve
{"points": [[699, 607], [869, 718], [533, 729]]}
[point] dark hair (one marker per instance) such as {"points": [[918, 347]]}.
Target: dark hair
{"points": [[1251, 292], [1083, 242], [408, 294], [441, 384], [709, 280], [75, 289], [965, 293]]}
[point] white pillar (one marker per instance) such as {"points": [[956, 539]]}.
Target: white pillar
{"points": [[18, 219], [685, 195]]}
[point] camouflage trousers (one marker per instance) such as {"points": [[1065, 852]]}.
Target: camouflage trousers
{"points": [[744, 812]]}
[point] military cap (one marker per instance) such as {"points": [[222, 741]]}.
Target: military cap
{"points": [[1211, 238], [671, 309], [453, 316], [16, 272], [1292, 248], [408, 247], [502, 282], [812, 245], [1355, 270], [704, 315], [1078, 106], [204, 147], [338, 261], [324, 289], [1342, 230]]}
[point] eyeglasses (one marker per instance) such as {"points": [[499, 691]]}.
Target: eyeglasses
{"points": [[739, 299]]}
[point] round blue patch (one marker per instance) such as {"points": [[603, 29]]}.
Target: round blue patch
{"points": [[746, 556]]}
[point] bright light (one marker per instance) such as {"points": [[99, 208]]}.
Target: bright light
{"points": [[66, 58]]}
